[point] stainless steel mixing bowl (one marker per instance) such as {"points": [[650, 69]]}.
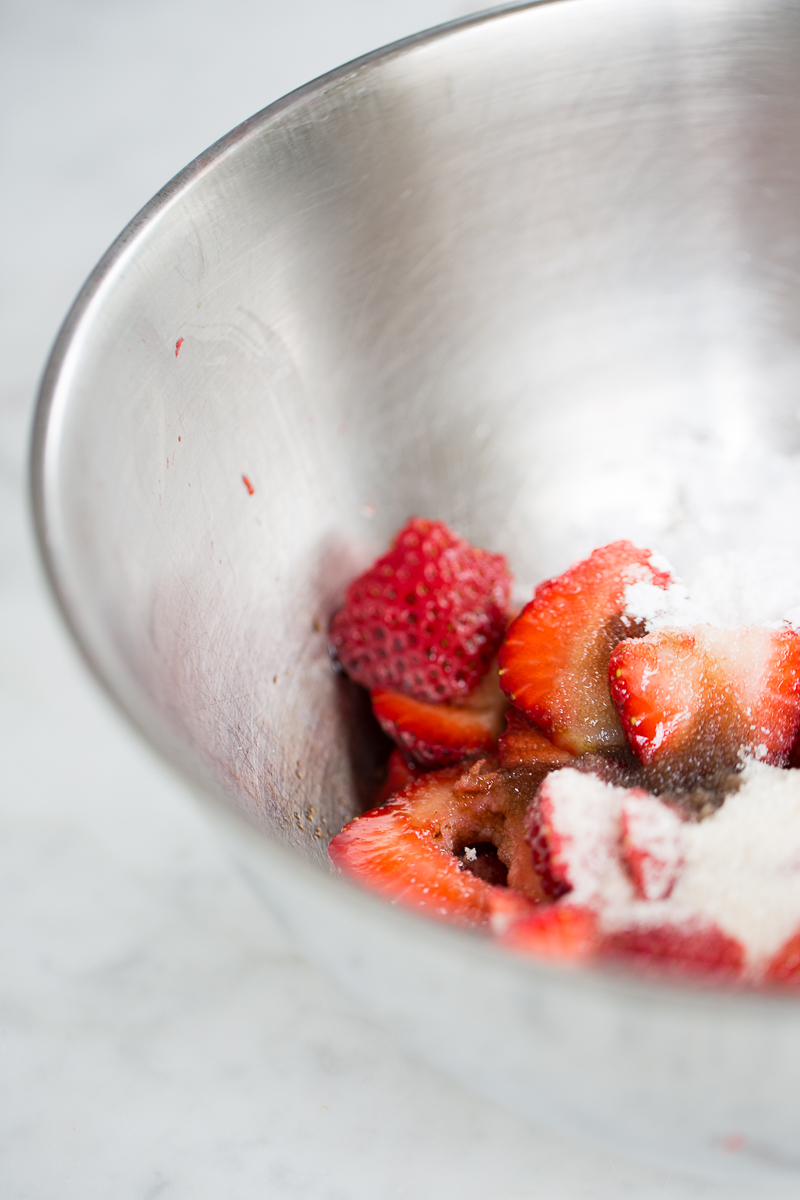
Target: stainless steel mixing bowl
{"points": [[482, 275]]}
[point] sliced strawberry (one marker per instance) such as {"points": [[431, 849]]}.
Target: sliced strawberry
{"points": [[652, 844], [406, 851], [522, 744], [399, 774], [556, 931], [785, 965], [692, 948], [507, 907], [426, 618], [537, 835], [579, 824], [419, 850], [692, 699], [553, 662], [440, 734]]}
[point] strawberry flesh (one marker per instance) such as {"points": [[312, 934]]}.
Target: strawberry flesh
{"points": [[691, 700], [446, 844], [407, 852], [442, 734], [560, 932], [652, 844], [522, 744], [785, 965], [693, 948], [399, 774], [537, 835], [553, 662], [427, 618]]}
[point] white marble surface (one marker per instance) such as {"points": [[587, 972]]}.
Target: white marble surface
{"points": [[158, 1037]]}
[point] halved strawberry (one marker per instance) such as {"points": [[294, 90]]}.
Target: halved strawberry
{"points": [[553, 662], [507, 907], [652, 844], [696, 948], [399, 774], [440, 734], [784, 966], [406, 852], [426, 618], [692, 699], [521, 744], [537, 835], [556, 931], [579, 824], [419, 849]]}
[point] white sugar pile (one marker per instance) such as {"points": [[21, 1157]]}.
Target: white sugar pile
{"points": [[741, 866]]}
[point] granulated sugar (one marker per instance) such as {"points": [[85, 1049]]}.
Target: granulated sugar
{"points": [[731, 588], [705, 477], [740, 871], [742, 865]]}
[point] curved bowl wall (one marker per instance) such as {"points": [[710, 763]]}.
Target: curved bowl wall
{"points": [[533, 274]]}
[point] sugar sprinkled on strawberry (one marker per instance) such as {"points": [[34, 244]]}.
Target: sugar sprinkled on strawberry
{"points": [[704, 694], [610, 657], [652, 844], [580, 820], [553, 662], [427, 618]]}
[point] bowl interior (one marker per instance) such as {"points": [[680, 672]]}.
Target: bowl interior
{"points": [[536, 275]]}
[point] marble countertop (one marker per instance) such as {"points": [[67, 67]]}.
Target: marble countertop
{"points": [[159, 1037]]}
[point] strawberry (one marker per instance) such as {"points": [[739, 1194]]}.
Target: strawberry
{"points": [[554, 931], [440, 734], [442, 845], [697, 948], [553, 662], [507, 907], [652, 844], [537, 835], [579, 824], [427, 618], [406, 852], [521, 744], [399, 774], [785, 965], [691, 699]]}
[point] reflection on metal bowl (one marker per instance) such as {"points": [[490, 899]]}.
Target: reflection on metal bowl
{"points": [[526, 273]]}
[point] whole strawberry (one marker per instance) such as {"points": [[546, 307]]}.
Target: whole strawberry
{"points": [[427, 618]]}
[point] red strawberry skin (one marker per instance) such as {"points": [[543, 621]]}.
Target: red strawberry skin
{"points": [[396, 852], [785, 965], [447, 843], [538, 834], [427, 618], [442, 734], [522, 745], [560, 932], [702, 694], [696, 950], [399, 774], [553, 662]]}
